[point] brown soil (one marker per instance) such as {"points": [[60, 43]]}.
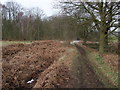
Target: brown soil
{"points": [[56, 76], [22, 63], [42, 62]]}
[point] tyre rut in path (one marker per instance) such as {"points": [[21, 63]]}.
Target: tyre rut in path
{"points": [[87, 76]]}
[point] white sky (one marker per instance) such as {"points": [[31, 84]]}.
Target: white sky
{"points": [[45, 5]]}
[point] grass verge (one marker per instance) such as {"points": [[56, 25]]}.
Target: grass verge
{"points": [[5, 43], [103, 70]]}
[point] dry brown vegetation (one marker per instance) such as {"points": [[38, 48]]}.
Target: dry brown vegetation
{"points": [[23, 62], [37, 61], [51, 64], [112, 60]]}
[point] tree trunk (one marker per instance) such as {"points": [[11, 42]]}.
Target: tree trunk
{"points": [[106, 41], [119, 43], [101, 42]]}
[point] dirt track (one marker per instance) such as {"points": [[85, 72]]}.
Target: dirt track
{"points": [[88, 77], [40, 61]]}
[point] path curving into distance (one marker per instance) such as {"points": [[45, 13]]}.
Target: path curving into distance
{"points": [[88, 77]]}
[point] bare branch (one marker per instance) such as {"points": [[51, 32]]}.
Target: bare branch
{"points": [[92, 6], [112, 31]]}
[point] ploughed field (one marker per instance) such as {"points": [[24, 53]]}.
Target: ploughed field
{"points": [[47, 64]]}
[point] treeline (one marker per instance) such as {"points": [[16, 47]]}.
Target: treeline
{"points": [[20, 23], [29, 24], [68, 28]]}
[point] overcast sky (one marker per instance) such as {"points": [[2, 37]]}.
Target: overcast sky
{"points": [[45, 5]]}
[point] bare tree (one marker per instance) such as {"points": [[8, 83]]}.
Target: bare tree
{"points": [[13, 9], [103, 14]]}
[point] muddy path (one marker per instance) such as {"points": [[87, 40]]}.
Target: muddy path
{"points": [[87, 76]]}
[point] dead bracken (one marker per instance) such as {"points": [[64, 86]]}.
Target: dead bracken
{"points": [[23, 63]]}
